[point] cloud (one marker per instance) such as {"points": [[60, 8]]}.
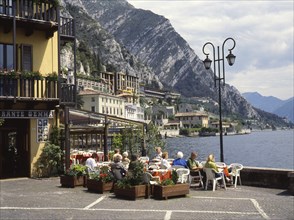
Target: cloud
{"points": [[263, 31]]}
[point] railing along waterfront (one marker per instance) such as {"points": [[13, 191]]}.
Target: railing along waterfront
{"points": [[28, 88], [29, 9]]}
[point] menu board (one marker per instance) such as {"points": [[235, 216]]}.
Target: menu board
{"points": [[42, 130]]}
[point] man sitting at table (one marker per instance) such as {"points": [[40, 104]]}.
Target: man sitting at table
{"points": [[195, 166], [91, 162], [180, 161], [158, 155]]}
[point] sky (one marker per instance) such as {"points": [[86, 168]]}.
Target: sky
{"points": [[262, 30]]}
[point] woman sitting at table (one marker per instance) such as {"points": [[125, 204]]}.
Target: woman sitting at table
{"points": [[210, 163], [164, 163], [117, 168]]}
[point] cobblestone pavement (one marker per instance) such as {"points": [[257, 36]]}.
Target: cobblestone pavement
{"points": [[46, 199]]}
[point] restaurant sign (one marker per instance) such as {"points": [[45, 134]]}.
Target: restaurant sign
{"points": [[26, 113]]}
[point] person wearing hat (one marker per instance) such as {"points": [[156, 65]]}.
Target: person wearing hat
{"points": [[180, 161]]}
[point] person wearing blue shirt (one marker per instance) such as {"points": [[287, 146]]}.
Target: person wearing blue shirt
{"points": [[180, 161]]}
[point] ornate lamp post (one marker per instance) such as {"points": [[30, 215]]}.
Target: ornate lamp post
{"points": [[219, 76]]}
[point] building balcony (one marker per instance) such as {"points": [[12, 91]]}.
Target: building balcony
{"points": [[36, 90], [29, 14], [28, 88]]}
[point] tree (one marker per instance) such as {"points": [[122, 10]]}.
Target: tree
{"points": [[153, 139]]}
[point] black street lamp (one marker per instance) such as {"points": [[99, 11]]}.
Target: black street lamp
{"points": [[220, 76]]}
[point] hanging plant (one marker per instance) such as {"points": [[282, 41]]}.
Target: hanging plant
{"points": [[52, 76]]}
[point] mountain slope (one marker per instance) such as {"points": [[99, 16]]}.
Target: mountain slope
{"points": [[266, 103], [286, 110], [140, 42], [282, 108], [154, 41]]}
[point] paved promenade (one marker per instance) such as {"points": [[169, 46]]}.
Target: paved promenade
{"points": [[45, 199]]}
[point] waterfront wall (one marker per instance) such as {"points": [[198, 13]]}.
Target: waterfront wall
{"points": [[268, 177]]}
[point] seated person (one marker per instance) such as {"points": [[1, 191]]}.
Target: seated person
{"points": [[164, 163], [116, 153], [210, 163], [194, 166], [158, 153], [125, 160], [134, 162], [180, 161], [117, 168], [91, 162]]}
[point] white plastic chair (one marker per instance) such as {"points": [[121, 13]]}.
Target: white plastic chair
{"points": [[183, 174], [175, 167], [198, 178], [236, 168], [149, 179], [210, 176], [144, 159], [153, 167]]}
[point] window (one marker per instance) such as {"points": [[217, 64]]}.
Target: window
{"points": [[6, 8], [6, 56], [27, 58], [93, 108], [93, 99]]}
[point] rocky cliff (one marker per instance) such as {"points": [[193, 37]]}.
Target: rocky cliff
{"points": [[140, 42]]}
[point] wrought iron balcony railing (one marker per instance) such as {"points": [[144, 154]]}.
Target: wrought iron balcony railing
{"points": [[34, 89], [67, 94], [29, 9]]}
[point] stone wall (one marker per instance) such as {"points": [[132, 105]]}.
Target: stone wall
{"points": [[268, 177]]}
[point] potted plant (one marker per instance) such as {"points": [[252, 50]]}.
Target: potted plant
{"points": [[74, 176], [100, 181], [170, 187], [132, 186]]}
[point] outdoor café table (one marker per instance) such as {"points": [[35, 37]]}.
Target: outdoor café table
{"points": [[162, 173]]}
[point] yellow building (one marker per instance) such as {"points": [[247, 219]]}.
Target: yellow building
{"points": [[30, 92], [192, 119]]}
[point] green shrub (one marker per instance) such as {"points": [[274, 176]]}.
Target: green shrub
{"points": [[49, 162]]}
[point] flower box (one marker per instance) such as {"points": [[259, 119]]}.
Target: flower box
{"points": [[160, 192], [72, 181], [98, 186], [133, 192]]}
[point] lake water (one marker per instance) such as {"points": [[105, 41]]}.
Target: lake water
{"points": [[272, 149]]}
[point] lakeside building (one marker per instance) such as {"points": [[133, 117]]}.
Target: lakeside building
{"points": [[192, 119], [102, 103], [32, 94]]}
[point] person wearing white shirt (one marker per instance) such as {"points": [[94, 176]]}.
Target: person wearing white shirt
{"points": [[164, 163], [91, 162]]}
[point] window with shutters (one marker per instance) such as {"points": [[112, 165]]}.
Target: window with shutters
{"points": [[27, 57]]}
